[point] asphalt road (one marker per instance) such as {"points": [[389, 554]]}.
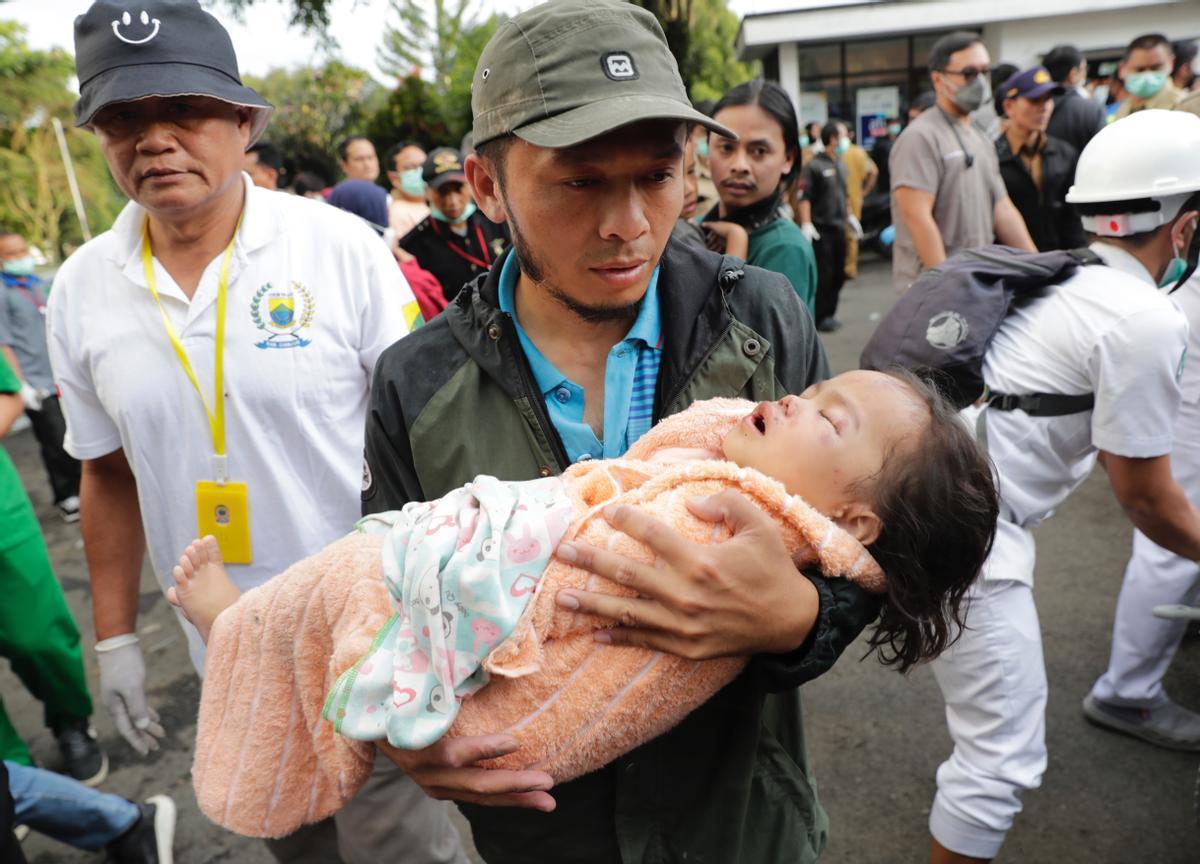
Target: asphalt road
{"points": [[875, 737]]}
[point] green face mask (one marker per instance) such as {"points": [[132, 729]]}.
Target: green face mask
{"points": [[805, 140], [467, 213], [1173, 273], [411, 183], [1144, 85], [893, 128], [702, 148], [842, 146], [19, 266]]}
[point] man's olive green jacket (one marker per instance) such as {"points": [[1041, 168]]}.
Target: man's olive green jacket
{"points": [[456, 399]]}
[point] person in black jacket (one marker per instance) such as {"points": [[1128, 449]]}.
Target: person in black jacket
{"points": [[1038, 168], [1076, 117]]}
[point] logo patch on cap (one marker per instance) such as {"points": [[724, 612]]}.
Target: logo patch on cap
{"points": [[619, 66]]}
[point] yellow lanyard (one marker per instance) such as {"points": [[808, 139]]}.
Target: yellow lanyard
{"points": [[216, 414]]}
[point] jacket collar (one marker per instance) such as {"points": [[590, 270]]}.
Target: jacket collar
{"points": [[691, 288]]}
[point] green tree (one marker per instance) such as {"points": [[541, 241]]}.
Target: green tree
{"points": [[701, 34], [315, 108], [411, 112], [711, 53], [35, 198], [456, 98], [421, 39]]}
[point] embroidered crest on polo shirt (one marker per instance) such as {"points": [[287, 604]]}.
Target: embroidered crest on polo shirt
{"points": [[282, 314], [126, 20], [619, 66]]}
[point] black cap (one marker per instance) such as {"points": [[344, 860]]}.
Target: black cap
{"points": [[157, 48], [443, 165]]}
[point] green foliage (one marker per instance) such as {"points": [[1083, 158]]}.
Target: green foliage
{"points": [[456, 98], [35, 198], [701, 34], [446, 42], [315, 108], [411, 112], [311, 16], [712, 55], [425, 41]]}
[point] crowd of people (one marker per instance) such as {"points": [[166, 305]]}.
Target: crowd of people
{"points": [[597, 256]]}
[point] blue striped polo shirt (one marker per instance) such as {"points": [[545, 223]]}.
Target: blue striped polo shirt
{"points": [[630, 379]]}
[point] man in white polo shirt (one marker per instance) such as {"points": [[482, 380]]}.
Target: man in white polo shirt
{"points": [[214, 353]]}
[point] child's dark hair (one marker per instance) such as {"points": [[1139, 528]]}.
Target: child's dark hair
{"points": [[938, 504]]}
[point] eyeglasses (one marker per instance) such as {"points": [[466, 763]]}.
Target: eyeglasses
{"points": [[969, 73]]}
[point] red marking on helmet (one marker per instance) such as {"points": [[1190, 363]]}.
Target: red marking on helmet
{"points": [[1114, 225]]}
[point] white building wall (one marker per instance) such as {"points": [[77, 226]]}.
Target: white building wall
{"points": [[1023, 42]]}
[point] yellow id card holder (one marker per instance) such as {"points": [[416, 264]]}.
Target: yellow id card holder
{"points": [[223, 510]]}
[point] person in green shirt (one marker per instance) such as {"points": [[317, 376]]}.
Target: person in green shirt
{"points": [[38, 636], [752, 173]]}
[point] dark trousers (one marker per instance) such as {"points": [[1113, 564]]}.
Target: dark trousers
{"points": [[830, 251], [50, 429]]}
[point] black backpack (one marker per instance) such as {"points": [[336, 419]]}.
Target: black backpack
{"points": [[942, 326]]}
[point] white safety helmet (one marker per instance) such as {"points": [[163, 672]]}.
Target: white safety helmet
{"points": [[1136, 173]]}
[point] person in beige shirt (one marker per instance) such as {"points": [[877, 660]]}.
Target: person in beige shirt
{"points": [[1146, 72], [406, 200], [861, 174]]}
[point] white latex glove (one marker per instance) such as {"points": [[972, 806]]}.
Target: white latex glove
{"points": [[855, 225], [810, 231], [31, 397], [123, 692]]}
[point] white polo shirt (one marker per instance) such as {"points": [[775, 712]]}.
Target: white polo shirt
{"points": [[1109, 331], [314, 298]]}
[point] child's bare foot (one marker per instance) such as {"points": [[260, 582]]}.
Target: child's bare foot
{"points": [[203, 589]]}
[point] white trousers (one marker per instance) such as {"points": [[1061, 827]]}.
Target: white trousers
{"points": [[993, 680], [1144, 646]]}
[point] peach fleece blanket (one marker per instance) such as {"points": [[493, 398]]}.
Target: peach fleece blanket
{"points": [[266, 762]]}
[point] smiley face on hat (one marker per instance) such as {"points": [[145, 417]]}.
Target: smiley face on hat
{"points": [[127, 50], [126, 20]]}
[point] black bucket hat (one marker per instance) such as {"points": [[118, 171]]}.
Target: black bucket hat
{"points": [[135, 49]]}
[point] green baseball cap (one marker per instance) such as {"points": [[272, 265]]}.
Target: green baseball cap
{"points": [[568, 71]]}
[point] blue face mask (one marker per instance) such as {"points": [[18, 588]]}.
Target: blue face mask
{"points": [[893, 128], [467, 213], [702, 148], [412, 183], [842, 146], [19, 266]]}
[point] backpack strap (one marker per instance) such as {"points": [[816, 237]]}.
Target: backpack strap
{"points": [[1040, 404]]}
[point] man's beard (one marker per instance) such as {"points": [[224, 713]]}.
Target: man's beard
{"points": [[531, 267]]}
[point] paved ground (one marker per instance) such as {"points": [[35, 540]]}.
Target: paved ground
{"points": [[876, 738]]}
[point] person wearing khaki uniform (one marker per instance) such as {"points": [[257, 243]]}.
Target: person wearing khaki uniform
{"points": [[1146, 71], [861, 174]]}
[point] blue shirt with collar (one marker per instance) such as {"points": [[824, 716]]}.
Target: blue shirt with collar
{"points": [[630, 378]]}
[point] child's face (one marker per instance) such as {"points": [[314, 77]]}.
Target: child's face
{"points": [[831, 437]]}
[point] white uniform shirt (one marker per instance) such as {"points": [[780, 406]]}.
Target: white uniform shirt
{"points": [[314, 298], [1109, 331]]}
